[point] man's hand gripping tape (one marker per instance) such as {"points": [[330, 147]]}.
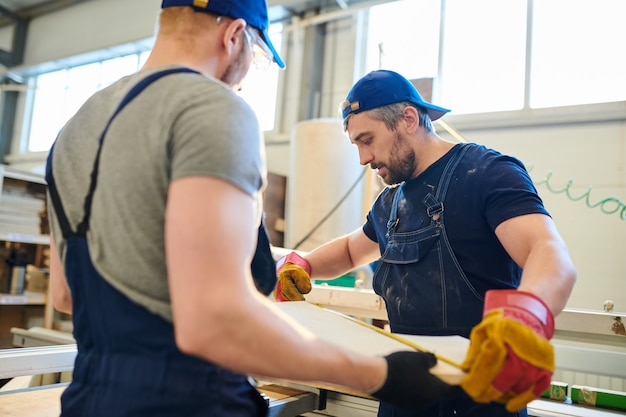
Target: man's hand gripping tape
{"points": [[409, 383], [510, 359]]}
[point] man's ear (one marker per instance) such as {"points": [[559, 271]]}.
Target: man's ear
{"points": [[411, 118], [233, 37]]}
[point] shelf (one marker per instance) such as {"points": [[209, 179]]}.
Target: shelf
{"points": [[28, 298], [10, 172], [40, 336], [25, 238]]}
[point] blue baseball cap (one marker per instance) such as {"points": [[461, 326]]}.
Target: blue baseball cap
{"points": [[254, 12], [383, 87]]}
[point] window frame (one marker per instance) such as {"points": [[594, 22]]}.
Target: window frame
{"points": [[525, 116]]}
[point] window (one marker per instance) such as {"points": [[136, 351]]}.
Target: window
{"points": [[583, 60], [484, 55], [260, 87], [411, 48], [480, 62], [59, 94]]}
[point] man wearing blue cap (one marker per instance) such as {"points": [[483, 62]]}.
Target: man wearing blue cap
{"points": [[464, 244], [155, 202]]}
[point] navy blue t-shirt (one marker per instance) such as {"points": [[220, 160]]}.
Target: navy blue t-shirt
{"points": [[486, 189]]}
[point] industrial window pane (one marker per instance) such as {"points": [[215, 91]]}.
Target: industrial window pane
{"points": [[60, 94], [83, 81], [484, 46], [260, 87], [403, 36], [578, 52], [143, 57], [48, 110], [114, 69]]}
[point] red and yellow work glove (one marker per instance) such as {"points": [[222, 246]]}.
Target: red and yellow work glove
{"points": [[510, 359], [294, 278]]}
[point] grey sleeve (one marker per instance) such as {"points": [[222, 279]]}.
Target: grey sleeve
{"points": [[219, 136]]}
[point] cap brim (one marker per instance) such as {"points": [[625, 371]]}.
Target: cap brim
{"points": [[277, 57], [434, 112]]}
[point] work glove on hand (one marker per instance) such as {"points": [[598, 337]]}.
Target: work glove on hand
{"points": [[263, 267], [510, 359], [294, 278], [409, 384]]}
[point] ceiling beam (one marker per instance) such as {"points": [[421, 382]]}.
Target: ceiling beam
{"points": [[20, 27]]}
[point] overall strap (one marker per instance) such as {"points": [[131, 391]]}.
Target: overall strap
{"points": [[83, 226], [393, 213], [66, 229], [442, 189], [434, 204]]}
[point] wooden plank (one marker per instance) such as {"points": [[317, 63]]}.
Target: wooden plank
{"points": [[39, 336], [46, 401], [18, 383], [34, 402], [595, 322], [286, 401], [357, 303], [343, 332]]}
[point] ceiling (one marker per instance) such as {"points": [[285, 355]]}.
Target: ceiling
{"points": [[17, 13], [27, 9], [278, 9]]}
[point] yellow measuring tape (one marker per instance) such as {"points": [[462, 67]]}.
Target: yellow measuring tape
{"points": [[395, 337]]}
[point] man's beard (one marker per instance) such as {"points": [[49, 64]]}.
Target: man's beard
{"points": [[234, 74], [400, 168]]}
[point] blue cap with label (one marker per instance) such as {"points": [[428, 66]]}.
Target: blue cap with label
{"points": [[383, 87], [254, 12]]}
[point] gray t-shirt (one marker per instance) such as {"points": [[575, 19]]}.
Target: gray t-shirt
{"points": [[181, 125]]}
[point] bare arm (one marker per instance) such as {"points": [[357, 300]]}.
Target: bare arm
{"points": [[535, 245], [218, 315], [342, 255], [59, 290]]}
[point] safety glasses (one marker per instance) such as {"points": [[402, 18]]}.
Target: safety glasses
{"points": [[262, 56]]}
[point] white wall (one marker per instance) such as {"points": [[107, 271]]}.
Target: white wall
{"points": [[592, 157]]}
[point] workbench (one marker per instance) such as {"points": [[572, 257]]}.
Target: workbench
{"points": [[284, 401], [285, 398], [45, 401]]}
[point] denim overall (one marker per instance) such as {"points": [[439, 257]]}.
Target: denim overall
{"points": [[425, 290], [128, 363]]}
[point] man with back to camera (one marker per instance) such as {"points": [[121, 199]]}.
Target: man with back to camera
{"points": [[154, 203], [465, 246]]}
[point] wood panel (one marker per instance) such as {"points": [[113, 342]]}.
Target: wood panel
{"points": [[43, 402], [345, 332]]}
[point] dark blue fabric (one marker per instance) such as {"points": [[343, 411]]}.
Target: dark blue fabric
{"points": [[486, 189], [422, 226], [424, 290], [458, 406], [128, 363], [263, 266]]}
